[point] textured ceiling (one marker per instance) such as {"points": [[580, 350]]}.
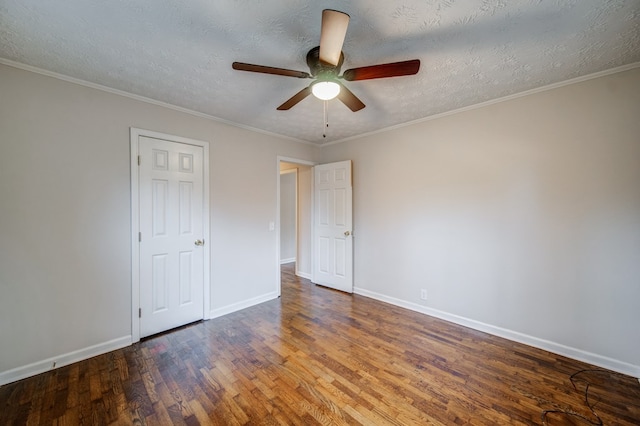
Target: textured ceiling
{"points": [[180, 52]]}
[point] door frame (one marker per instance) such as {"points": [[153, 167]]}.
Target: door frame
{"points": [[135, 135], [277, 260]]}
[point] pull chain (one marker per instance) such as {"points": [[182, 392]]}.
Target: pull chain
{"points": [[325, 125]]}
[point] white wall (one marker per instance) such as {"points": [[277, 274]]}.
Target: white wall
{"points": [[288, 212], [521, 218], [65, 257]]}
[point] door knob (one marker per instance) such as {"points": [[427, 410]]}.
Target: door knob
{"points": [[199, 242], [347, 233]]}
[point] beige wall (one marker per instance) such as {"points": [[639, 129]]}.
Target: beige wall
{"points": [[521, 218], [65, 257]]}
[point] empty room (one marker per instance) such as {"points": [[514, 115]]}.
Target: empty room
{"points": [[288, 212]]}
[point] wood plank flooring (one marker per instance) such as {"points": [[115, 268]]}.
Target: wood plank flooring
{"points": [[317, 356]]}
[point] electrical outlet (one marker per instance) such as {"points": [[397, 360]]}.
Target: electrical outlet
{"points": [[423, 294]]}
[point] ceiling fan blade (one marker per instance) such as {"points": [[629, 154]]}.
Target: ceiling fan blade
{"points": [[334, 29], [269, 70], [349, 99], [394, 69], [295, 99]]}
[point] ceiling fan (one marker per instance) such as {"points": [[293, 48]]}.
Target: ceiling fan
{"points": [[324, 63]]}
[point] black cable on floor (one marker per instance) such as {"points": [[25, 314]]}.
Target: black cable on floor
{"points": [[574, 379]]}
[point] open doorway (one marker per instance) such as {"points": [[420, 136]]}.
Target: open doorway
{"points": [[295, 198], [288, 213]]}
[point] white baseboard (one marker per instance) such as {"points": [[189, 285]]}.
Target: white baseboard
{"points": [[42, 366], [304, 275], [215, 313], [52, 363], [289, 260], [557, 348]]}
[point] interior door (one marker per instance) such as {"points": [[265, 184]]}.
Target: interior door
{"points": [[171, 197], [333, 216]]}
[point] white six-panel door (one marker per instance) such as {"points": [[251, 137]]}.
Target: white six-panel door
{"points": [[333, 242], [171, 241]]}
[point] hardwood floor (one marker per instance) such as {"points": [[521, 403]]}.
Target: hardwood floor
{"points": [[317, 356]]}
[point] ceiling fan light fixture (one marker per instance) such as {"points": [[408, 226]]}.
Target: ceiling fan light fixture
{"points": [[325, 90]]}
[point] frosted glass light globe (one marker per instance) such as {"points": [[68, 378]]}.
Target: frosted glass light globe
{"points": [[325, 90]]}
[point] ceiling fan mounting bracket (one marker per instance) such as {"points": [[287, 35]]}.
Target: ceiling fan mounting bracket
{"points": [[319, 68]]}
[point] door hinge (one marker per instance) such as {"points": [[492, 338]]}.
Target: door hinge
{"points": [[139, 312], [139, 160], [139, 237]]}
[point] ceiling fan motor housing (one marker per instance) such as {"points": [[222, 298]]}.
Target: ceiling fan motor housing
{"points": [[319, 68]]}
